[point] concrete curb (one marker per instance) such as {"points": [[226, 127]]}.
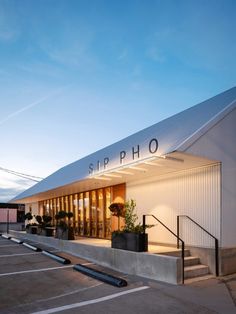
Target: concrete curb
{"points": [[112, 280], [16, 240], [6, 236], [34, 248], [58, 258]]}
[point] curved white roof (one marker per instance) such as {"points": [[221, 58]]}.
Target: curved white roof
{"points": [[174, 134]]}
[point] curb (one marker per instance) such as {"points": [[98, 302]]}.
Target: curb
{"points": [[16, 240], [34, 248], [58, 258], [112, 280], [6, 236]]}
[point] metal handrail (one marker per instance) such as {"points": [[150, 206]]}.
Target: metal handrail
{"points": [[178, 239], [216, 241]]}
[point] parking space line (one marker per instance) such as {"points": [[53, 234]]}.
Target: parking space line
{"points": [[84, 303], [7, 245], [22, 254], [19, 254], [34, 270]]}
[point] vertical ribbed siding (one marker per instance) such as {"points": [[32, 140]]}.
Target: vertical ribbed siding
{"points": [[194, 192]]}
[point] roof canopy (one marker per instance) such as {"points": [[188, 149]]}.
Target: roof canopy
{"points": [[160, 147]]}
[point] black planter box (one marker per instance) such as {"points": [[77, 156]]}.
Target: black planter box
{"points": [[33, 229], [137, 242], [63, 234], [47, 231]]}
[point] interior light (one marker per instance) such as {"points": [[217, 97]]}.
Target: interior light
{"points": [[112, 175], [124, 172]]}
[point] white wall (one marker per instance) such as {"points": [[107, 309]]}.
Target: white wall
{"points": [[219, 143], [34, 208], [193, 192]]}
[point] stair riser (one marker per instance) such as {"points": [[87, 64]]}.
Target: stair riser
{"points": [[196, 272], [192, 262], [176, 253]]}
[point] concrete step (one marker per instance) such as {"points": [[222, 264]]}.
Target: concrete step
{"points": [[195, 271], [199, 278], [191, 260], [177, 253]]}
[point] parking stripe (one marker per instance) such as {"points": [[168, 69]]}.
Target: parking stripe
{"points": [[34, 270], [20, 254], [84, 303], [7, 245]]}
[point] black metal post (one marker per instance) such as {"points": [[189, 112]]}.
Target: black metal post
{"points": [[178, 232], [144, 223], [217, 257], [7, 221], [183, 248]]}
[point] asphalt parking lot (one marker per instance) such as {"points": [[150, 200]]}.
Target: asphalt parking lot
{"points": [[31, 282]]}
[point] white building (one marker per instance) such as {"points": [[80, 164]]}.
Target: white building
{"points": [[183, 165]]}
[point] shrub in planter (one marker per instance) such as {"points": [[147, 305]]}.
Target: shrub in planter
{"points": [[28, 216], [118, 210], [132, 237], [63, 228]]}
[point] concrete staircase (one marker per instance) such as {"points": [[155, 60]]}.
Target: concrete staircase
{"points": [[193, 269]]}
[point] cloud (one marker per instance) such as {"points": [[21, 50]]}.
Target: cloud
{"points": [[155, 54], [123, 55], [9, 30], [12, 186], [37, 102], [6, 194], [7, 34]]}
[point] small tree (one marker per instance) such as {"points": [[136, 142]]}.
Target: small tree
{"points": [[117, 209], [46, 220], [28, 216], [39, 219], [130, 216]]}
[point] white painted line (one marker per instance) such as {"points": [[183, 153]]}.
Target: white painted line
{"points": [[84, 303], [34, 270], [69, 293], [9, 245], [20, 254], [87, 264]]}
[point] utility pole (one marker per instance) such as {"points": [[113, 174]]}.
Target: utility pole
{"points": [[7, 221]]}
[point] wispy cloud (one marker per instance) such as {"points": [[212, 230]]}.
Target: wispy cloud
{"points": [[6, 194], [11, 186], [25, 108], [155, 54], [7, 34], [123, 55]]}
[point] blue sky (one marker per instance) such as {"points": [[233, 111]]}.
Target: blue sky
{"points": [[76, 75]]}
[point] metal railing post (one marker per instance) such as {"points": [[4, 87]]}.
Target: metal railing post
{"points": [[216, 241], [144, 223], [178, 240], [217, 257], [183, 248], [178, 232]]}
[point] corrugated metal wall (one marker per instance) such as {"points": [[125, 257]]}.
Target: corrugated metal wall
{"points": [[194, 192]]}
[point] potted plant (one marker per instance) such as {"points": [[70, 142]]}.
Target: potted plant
{"points": [[132, 237], [30, 227], [44, 225], [118, 210], [64, 229]]}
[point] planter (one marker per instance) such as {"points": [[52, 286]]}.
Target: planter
{"points": [[63, 234], [47, 231], [32, 229], [137, 242]]}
